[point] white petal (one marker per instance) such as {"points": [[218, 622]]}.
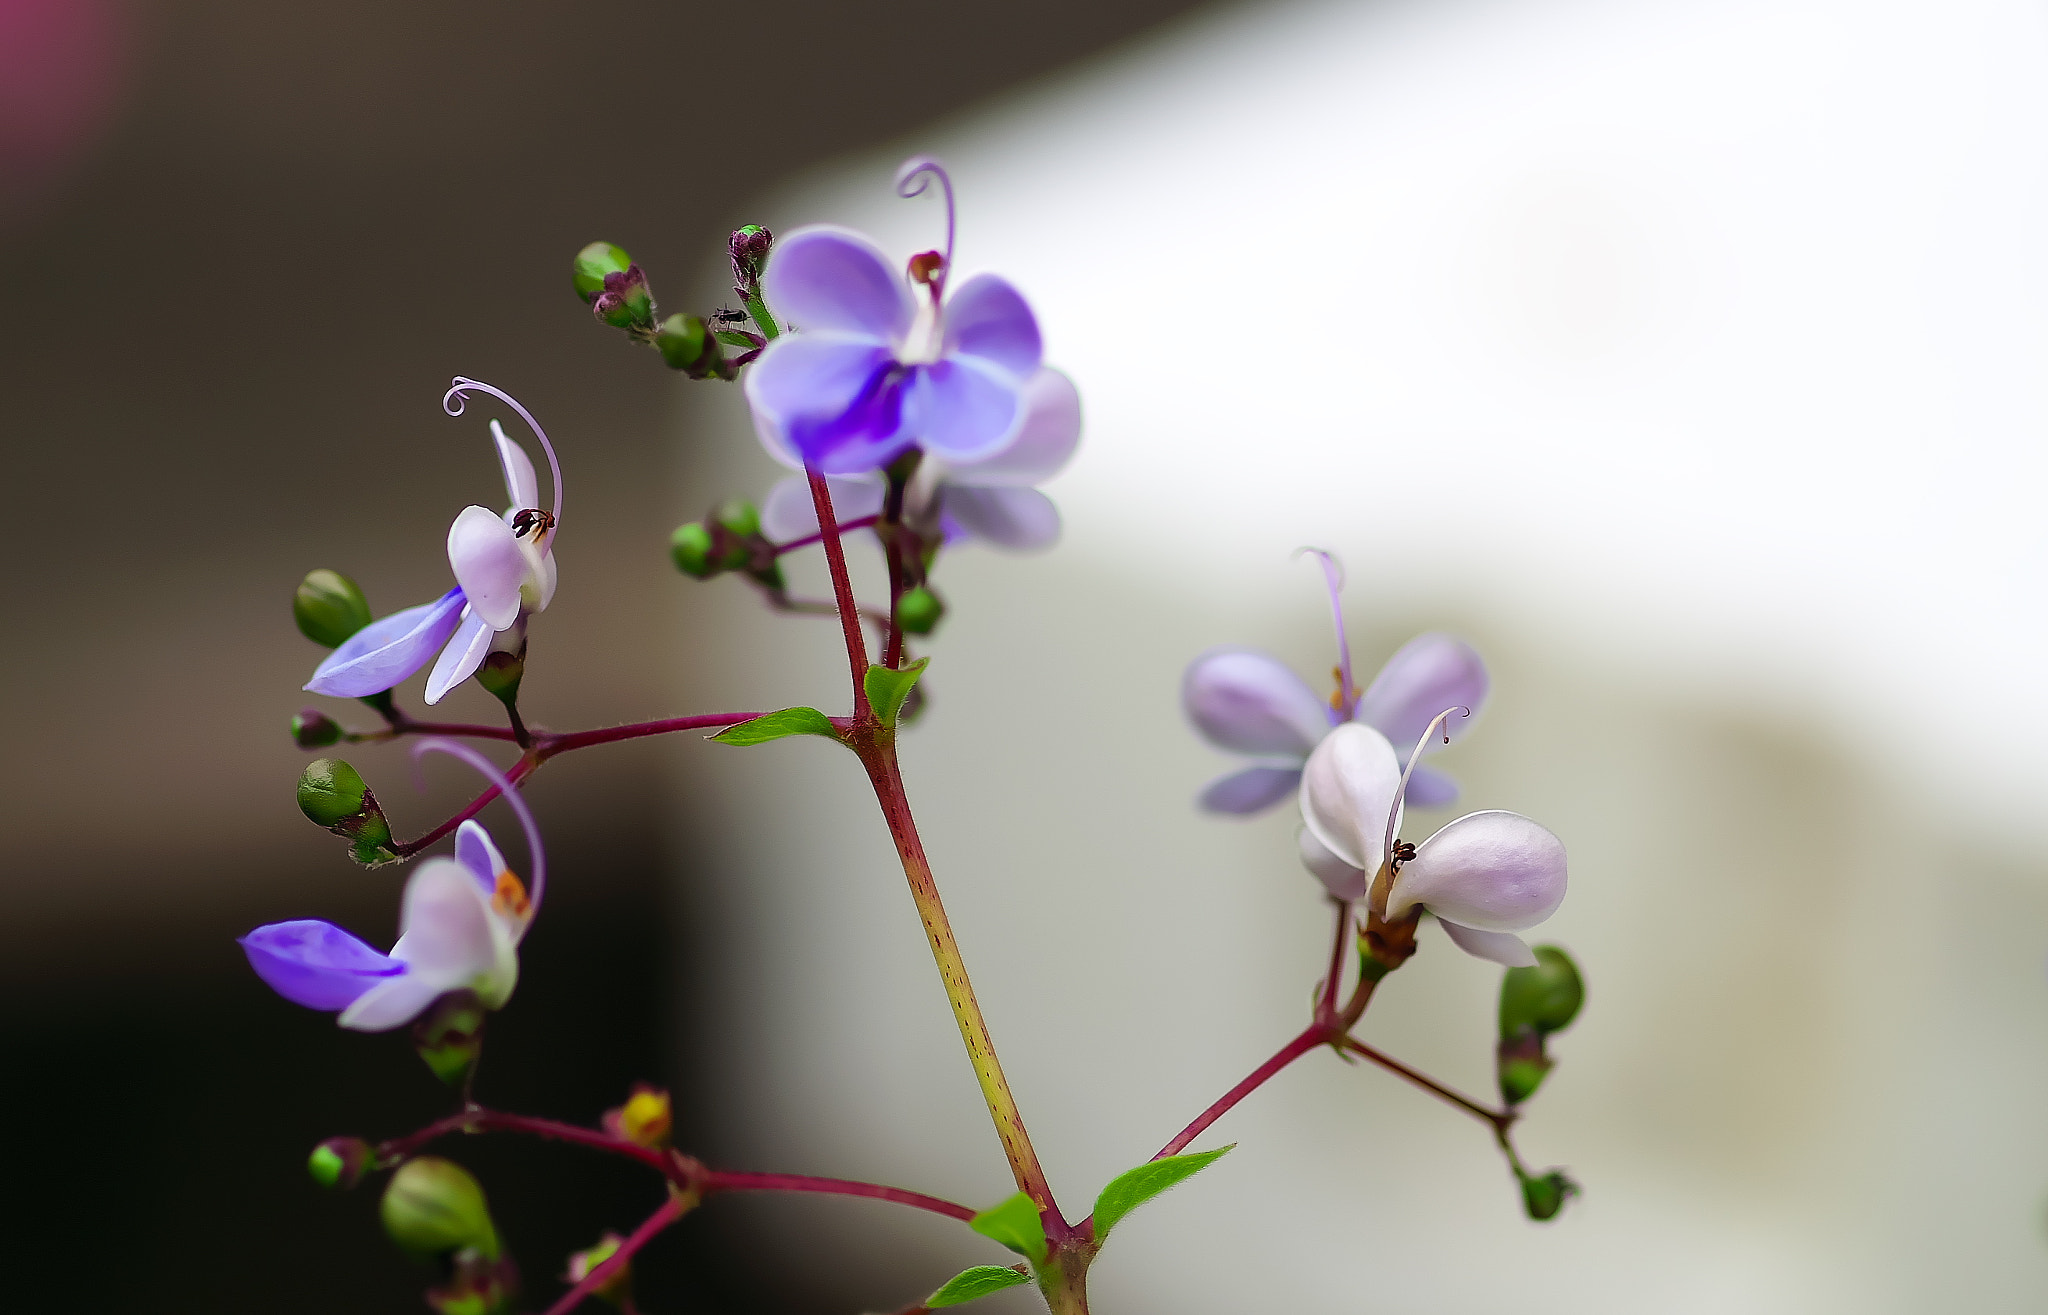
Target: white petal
{"points": [[488, 564], [460, 659], [1347, 790], [1338, 877], [451, 936], [1493, 871], [393, 1002], [1502, 947], [521, 485]]}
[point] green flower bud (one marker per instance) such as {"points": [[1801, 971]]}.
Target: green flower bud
{"points": [[919, 610], [314, 729], [617, 1288], [329, 607], [476, 1286], [333, 795], [433, 1206], [687, 344], [690, 546], [594, 262], [1542, 999], [1522, 1066], [500, 674], [449, 1036], [1543, 1196], [340, 1162], [739, 517]]}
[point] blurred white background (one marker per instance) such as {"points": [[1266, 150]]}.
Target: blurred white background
{"points": [[1682, 355]]}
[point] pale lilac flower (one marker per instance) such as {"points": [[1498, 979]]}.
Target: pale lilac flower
{"points": [[504, 572], [873, 367], [1485, 875], [1249, 703], [461, 923], [991, 499]]}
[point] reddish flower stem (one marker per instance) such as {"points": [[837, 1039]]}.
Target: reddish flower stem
{"points": [[1501, 1120], [842, 590], [547, 746], [1339, 943], [1311, 1037], [671, 1210], [483, 1120], [515, 774], [716, 1181], [857, 523]]}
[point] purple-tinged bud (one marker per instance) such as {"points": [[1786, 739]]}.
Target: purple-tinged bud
{"points": [[432, 1207], [617, 1288], [314, 729], [626, 302], [645, 1119], [918, 611], [329, 607], [749, 247], [341, 1162], [1522, 1066], [449, 1036], [334, 796], [477, 1285], [594, 264]]}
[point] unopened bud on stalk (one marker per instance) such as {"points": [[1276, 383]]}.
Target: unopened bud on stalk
{"points": [[688, 344], [329, 607], [618, 1287], [314, 729], [617, 292], [340, 1162], [690, 546], [449, 1036], [333, 795], [919, 610], [749, 247], [1543, 1195], [477, 1285], [1544, 998], [594, 264], [500, 674], [433, 1206], [645, 1119]]}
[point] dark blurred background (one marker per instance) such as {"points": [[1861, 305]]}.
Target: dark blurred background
{"points": [[242, 249]]}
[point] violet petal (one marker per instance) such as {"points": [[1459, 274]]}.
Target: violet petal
{"points": [[475, 850], [1252, 790], [1429, 788], [962, 407], [391, 1003], [1021, 520], [787, 512], [459, 661], [385, 652], [808, 376], [1428, 674], [988, 318], [1251, 703], [1045, 441], [822, 278], [316, 964]]}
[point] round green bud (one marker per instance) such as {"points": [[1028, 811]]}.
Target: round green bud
{"points": [[690, 546], [1542, 999], [919, 610], [331, 792], [740, 517], [1543, 1196], [594, 262], [683, 340], [433, 1206], [329, 607], [500, 674], [314, 729], [340, 1162]]}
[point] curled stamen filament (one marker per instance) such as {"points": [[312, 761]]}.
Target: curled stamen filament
{"points": [[1333, 577], [453, 402], [912, 180], [1435, 727], [510, 793]]}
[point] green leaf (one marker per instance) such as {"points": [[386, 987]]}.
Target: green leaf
{"points": [[977, 1282], [887, 688], [1015, 1224], [776, 726], [1127, 1191]]}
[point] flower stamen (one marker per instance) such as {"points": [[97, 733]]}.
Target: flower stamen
{"points": [[1344, 702], [912, 180], [453, 402]]}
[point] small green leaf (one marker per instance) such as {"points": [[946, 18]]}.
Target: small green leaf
{"points": [[1015, 1224], [887, 688], [1127, 1191], [777, 725], [977, 1282]]}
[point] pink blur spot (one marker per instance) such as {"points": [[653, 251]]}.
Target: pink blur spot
{"points": [[60, 70]]}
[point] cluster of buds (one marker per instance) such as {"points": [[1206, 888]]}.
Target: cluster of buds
{"points": [[617, 293], [435, 1211], [729, 539]]}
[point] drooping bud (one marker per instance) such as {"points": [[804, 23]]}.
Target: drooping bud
{"points": [[500, 674], [449, 1036], [918, 611], [617, 1288], [433, 1206], [1543, 1195], [1542, 999], [645, 1119], [749, 247], [314, 729], [340, 1162], [1522, 1066], [690, 546], [329, 607], [477, 1285], [333, 795], [689, 345]]}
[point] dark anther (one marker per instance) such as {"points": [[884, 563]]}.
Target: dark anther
{"points": [[926, 265], [533, 521], [1403, 851]]}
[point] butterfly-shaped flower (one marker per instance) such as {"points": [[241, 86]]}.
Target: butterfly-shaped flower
{"points": [[462, 921], [1485, 875], [504, 572]]}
